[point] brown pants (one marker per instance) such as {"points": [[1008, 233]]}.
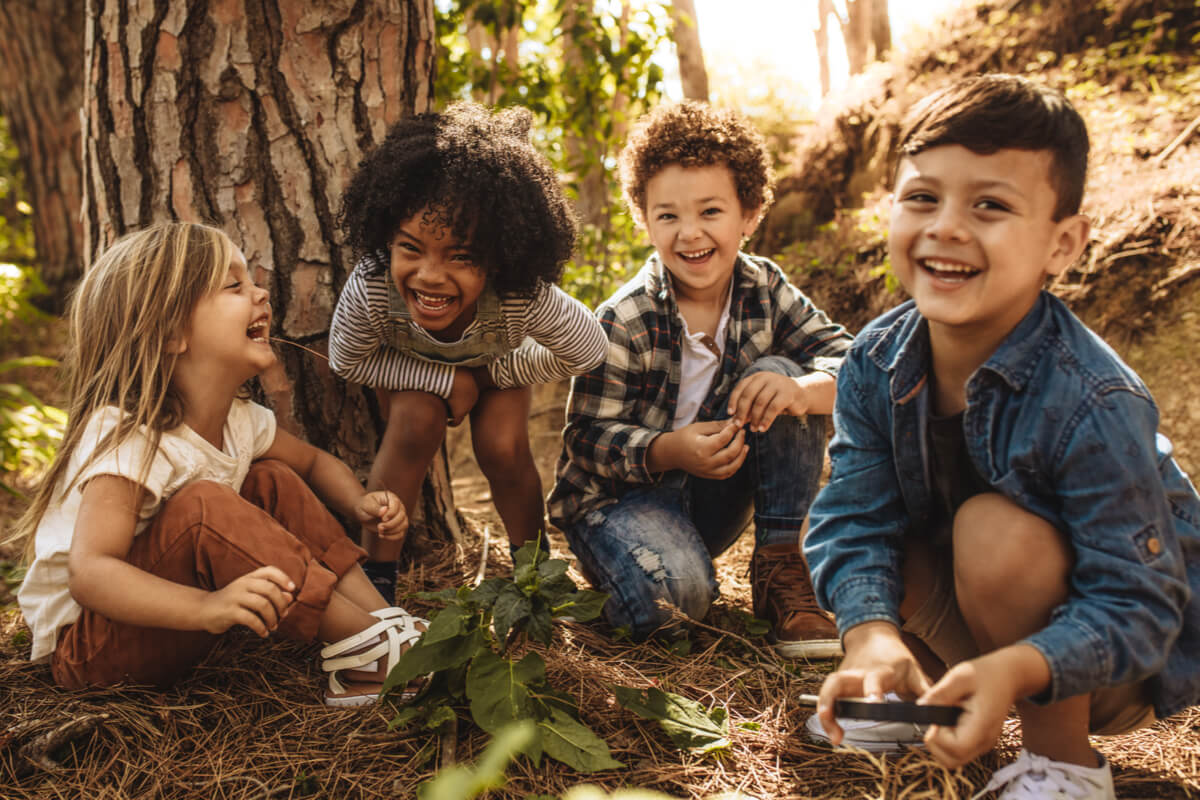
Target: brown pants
{"points": [[207, 536]]}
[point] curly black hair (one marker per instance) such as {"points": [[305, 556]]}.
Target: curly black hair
{"points": [[476, 174], [695, 134]]}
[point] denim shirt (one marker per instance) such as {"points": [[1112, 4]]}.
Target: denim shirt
{"points": [[1056, 422]]}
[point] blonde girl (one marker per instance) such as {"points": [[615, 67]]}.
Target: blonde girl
{"points": [[176, 508]]}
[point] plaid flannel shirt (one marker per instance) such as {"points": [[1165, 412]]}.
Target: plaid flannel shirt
{"points": [[617, 409]]}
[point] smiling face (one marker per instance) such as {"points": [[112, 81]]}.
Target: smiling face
{"points": [[973, 236], [437, 277], [696, 223], [229, 332]]}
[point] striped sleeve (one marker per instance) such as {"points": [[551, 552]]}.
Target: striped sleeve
{"points": [[358, 342], [567, 339]]}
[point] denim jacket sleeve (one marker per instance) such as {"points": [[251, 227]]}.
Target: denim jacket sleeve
{"points": [[1129, 584], [858, 520]]}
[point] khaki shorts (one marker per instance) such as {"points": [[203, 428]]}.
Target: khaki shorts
{"points": [[940, 625]]}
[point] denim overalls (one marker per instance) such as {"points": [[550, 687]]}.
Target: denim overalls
{"points": [[484, 341]]}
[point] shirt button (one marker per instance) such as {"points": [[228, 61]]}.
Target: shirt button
{"points": [[1154, 546]]}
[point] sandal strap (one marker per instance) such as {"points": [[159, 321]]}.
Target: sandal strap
{"points": [[397, 629]]}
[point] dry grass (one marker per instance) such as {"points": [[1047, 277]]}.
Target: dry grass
{"points": [[249, 724]]}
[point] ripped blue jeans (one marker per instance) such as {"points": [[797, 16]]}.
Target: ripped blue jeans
{"points": [[652, 550]]}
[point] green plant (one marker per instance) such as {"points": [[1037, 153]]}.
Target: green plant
{"points": [[30, 430], [464, 654], [463, 782], [689, 725]]}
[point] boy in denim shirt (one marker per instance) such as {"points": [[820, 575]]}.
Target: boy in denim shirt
{"points": [[711, 402], [1001, 502]]}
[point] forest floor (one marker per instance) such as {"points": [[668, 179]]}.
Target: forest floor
{"points": [[249, 723]]}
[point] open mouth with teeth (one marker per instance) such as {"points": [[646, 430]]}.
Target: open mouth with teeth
{"points": [[696, 256], [259, 332], [432, 303], [949, 271]]}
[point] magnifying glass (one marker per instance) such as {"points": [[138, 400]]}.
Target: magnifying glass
{"points": [[889, 710]]}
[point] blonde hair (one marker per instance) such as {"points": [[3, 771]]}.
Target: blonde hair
{"points": [[128, 307]]}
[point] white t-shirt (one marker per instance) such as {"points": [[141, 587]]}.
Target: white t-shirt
{"points": [[699, 357], [182, 456]]}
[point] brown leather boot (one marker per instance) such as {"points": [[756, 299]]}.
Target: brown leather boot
{"points": [[783, 596]]}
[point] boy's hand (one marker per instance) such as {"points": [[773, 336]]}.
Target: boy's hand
{"points": [[464, 394], [986, 687], [382, 513], [714, 449], [257, 600], [759, 398], [877, 662]]}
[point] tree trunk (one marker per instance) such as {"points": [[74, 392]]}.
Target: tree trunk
{"points": [[252, 116], [856, 32], [881, 30], [824, 9], [685, 32], [40, 91]]}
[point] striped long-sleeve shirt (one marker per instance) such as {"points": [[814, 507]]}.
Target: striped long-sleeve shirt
{"points": [[617, 409], [566, 340]]}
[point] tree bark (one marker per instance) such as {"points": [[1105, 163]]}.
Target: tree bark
{"points": [[856, 32], [685, 32], [251, 115], [41, 47]]}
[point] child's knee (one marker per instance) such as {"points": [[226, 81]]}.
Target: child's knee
{"points": [[1000, 548], [503, 454], [659, 590], [416, 418]]}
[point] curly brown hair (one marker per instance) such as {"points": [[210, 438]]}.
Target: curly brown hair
{"points": [[693, 134], [475, 172]]}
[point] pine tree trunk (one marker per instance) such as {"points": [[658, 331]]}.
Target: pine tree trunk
{"points": [[41, 48], [686, 34], [251, 116]]}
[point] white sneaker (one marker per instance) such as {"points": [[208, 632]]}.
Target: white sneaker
{"points": [[1034, 777], [872, 736]]}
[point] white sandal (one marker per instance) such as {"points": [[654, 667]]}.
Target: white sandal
{"points": [[396, 628]]}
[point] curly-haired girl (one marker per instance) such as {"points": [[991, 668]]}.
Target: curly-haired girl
{"points": [[462, 229], [176, 509]]}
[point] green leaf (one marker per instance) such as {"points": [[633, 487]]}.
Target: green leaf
{"points": [[446, 624], [687, 722], [461, 782], [484, 595], [539, 625], [439, 717], [422, 658], [574, 744], [511, 606], [583, 605], [499, 689]]}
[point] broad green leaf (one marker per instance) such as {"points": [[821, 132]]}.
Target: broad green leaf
{"points": [[574, 744], [538, 625], [461, 782], [422, 659], [485, 594], [687, 722], [511, 606], [439, 717], [444, 595], [446, 624], [583, 605], [499, 689]]}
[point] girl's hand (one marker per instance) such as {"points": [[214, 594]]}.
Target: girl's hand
{"points": [[986, 689], [257, 600], [759, 398], [382, 513], [877, 662]]}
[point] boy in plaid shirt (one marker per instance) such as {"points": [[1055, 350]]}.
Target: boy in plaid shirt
{"points": [[710, 407]]}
